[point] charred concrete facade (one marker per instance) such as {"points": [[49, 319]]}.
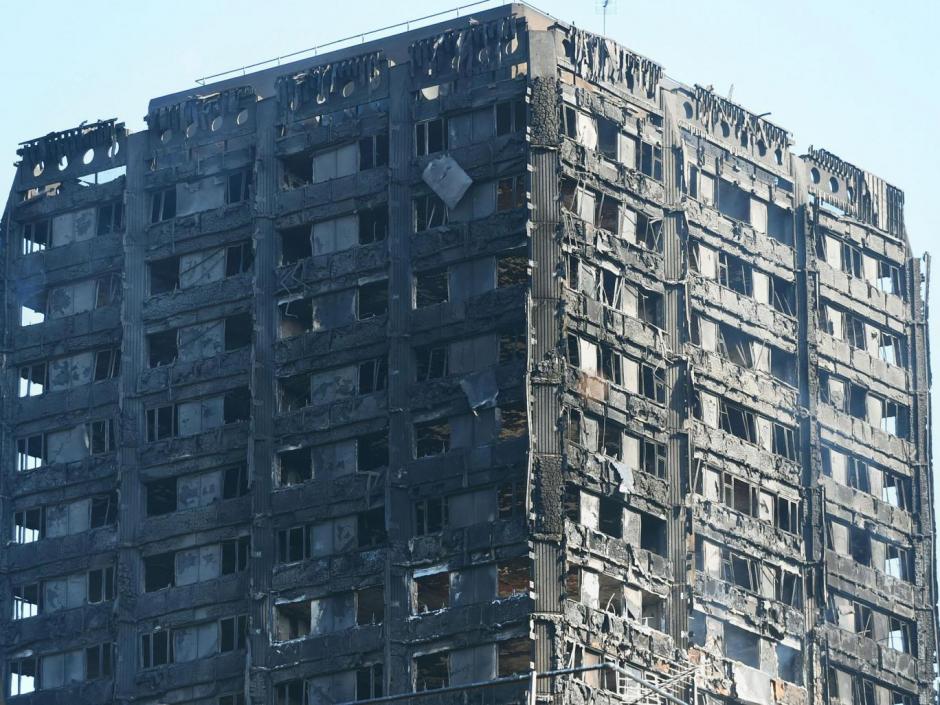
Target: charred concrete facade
{"points": [[479, 350]]}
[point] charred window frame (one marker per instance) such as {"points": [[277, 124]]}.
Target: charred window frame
{"points": [[236, 405], [431, 362], [101, 585], [29, 525], [373, 151], [898, 562], [235, 555], [293, 392], [164, 275], [293, 544], [372, 300], [33, 380], [429, 212], [294, 466], [163, 204], [650, 304], [103, 510], [430, 515], [292, 692], [901, 635], [31, 452], [370, 682], [233, 633], [234, 481], [512, 269], [238, 331], [511, 499], [890, 279], [891, 349], [163, 348], [296, 244], [239, 259], [27, 601], [510, 116], [372, 452], [852, 262], [431, 438], [784, 441], [110, 218], [510, 193], [107, 290], [787, 514], [512, 420], [25, 676], [35, 236], [740, 495], [896, 490], [735, 274], [373, 225], [161, 423], [649, 232], [653, 458], [653, 383], [373, 375], [651, 160], [370, 528], [156, 649], [431, 287], [855, 334], [782, 295], [33, 308], [432, 671], [737, 421], [512, 347], [107, 364], [430, 136], [237, 186], [100, 437]]}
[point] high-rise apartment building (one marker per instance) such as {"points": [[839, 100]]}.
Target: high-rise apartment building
{"points": [[482, 349]]}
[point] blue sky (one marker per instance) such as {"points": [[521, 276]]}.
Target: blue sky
{"points": [[858, 77]]}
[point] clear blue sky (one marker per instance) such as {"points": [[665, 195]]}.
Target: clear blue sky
{"points": [[858, 77]]}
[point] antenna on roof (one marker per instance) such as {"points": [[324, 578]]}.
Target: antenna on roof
{"points": [[603, 6]]}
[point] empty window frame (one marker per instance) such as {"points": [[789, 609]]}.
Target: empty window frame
{"points": [[238, 331], [107, 290], [373, 151], [373, 375], [101, 585], [512, 269], [233, 633], [29, 525], [652, 383], [100, 436], [162, 348], [296, 244], [236, 405], [239, 258], [510, 193], [236, 186], [510, 116], [33, 380], [33, 308], [164, 274], [511, 500], [429, 212], [35, 236], [163, 204], [890, 279], [27, 601], [369, 682], [430, 136], [430, 362], [651, 160], [431, 438], [432, 671], [156, 649], [293, 392], [373, 225], [161, 423], [735, 273], [372, 300], [24, 676], [431, 287], [31, 452], [110, 218], [890, 349], [107, 364], [430, 515]]}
